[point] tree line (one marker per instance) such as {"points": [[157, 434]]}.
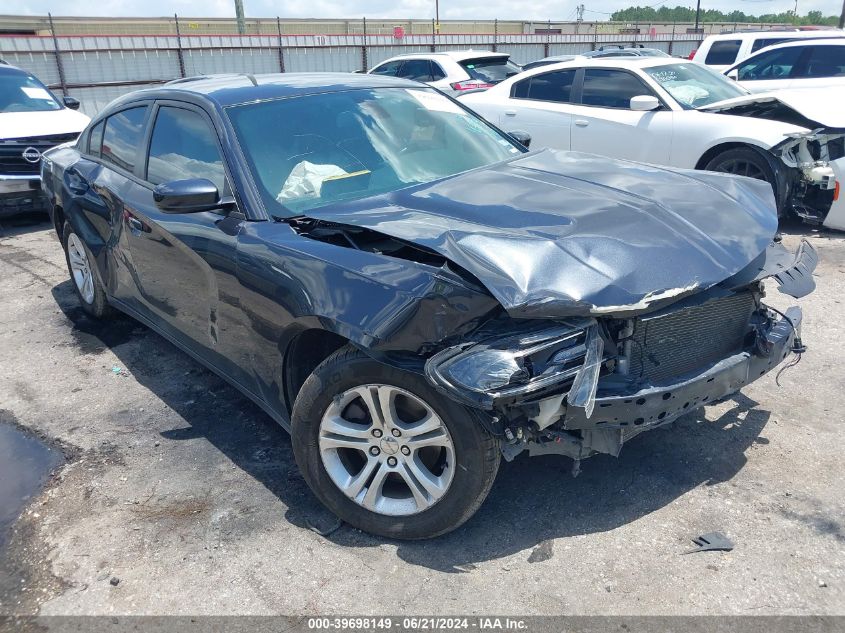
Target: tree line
{"points": [[685, 14]]}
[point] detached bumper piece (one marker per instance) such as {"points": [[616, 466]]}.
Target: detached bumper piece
{"points": [[618, 418]]}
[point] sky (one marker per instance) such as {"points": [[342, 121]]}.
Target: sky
{"points": [[449, 9]]}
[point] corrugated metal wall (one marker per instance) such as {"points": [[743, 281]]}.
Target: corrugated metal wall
{"points": [[97, 69]]}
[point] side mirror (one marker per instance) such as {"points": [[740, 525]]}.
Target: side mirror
{"points": [[523, 138], [733, 73], [71, 103], [187, 196], [644, 103]]}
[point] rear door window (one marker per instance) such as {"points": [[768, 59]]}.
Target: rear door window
{"points": [[825, 61], [184, 145], [122, 137], [490, 70], [607, 88], [555, 86], [416, 70], [722, 52]]}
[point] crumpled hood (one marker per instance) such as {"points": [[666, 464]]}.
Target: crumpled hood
{"points": [[824, 112], [555, 234]]}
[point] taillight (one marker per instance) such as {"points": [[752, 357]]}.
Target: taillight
{"points": [[470, 85], [692, 54]]}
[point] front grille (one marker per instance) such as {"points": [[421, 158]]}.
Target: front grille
{"points": [[12, 161], [667, 346]]}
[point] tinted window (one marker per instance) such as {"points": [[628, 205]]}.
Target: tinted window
{"points": [[416, 69], [390, 68], [184, 146], [95, 139], [554, 86], [763, 42], [826, 61], [123, 136], [611, 88], [491, 70], [437, 72], [775, 64], [722, 52]]}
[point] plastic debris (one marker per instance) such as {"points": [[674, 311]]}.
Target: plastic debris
{"points": [[712, 542]]}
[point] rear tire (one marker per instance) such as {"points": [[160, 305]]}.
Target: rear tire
{"points": [[83, 275], [746, 161], [418, 468]]}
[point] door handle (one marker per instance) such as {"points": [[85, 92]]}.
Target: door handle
{"points": [[582, 122], [510, 112]]}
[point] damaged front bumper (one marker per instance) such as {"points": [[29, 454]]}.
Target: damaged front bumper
{"points": [[587, 385], [618, 418]]}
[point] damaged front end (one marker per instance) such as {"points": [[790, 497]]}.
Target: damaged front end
{"points": [[811, 183], [582, 386]]}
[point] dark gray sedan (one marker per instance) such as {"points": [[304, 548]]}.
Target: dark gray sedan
{"points": [[411, 292]]}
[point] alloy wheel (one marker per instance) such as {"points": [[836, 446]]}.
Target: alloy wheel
{"points": [[80, 268], [386, 449]]}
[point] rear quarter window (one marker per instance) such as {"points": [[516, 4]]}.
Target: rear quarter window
{"points": [[122, 137], [722, 52]]}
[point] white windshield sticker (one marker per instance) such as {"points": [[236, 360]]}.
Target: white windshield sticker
{"points": [[36, 93], [435, 102]]}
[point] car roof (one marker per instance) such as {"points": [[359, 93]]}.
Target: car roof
{"points": [[457, 56], [825, 41], [791, 34], [232, 89]]}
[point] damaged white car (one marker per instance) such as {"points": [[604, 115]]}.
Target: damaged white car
{"points": [[683, 114]]}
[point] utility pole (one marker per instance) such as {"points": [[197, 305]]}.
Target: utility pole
{"points": [[239, 16], [437, 15], [698, 13]]}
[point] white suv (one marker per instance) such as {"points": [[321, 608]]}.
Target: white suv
{"points": [[453, 72], [32, 120], [793, 65], [720, 52]]}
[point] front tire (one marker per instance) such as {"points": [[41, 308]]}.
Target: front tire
{"points": [[388, 454], [746, 161], [83, 275]]}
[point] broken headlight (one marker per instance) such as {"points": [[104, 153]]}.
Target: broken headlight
{"points": [[515, 366]]}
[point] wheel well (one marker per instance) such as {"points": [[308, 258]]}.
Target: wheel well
{"points": [[59, 220], [714, 151], [306, 351]]}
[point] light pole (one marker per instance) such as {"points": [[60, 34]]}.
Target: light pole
{"points": [[437, 15], [698, 12], [842, 16]]}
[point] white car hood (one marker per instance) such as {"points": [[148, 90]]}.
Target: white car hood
{"points": [[823, 108], [27, 124]]}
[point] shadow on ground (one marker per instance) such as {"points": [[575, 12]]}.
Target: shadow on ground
{"points": [[534, 500], [23, 223]]}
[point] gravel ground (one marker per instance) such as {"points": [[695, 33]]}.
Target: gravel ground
{"points": [[179, 496]]}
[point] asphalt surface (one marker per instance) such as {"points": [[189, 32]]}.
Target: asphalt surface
{"points": [[179, 496]]}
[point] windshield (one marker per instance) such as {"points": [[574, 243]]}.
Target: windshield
{"points": [[490, 69], [694, 85], [306, 152], [20, 92]]}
